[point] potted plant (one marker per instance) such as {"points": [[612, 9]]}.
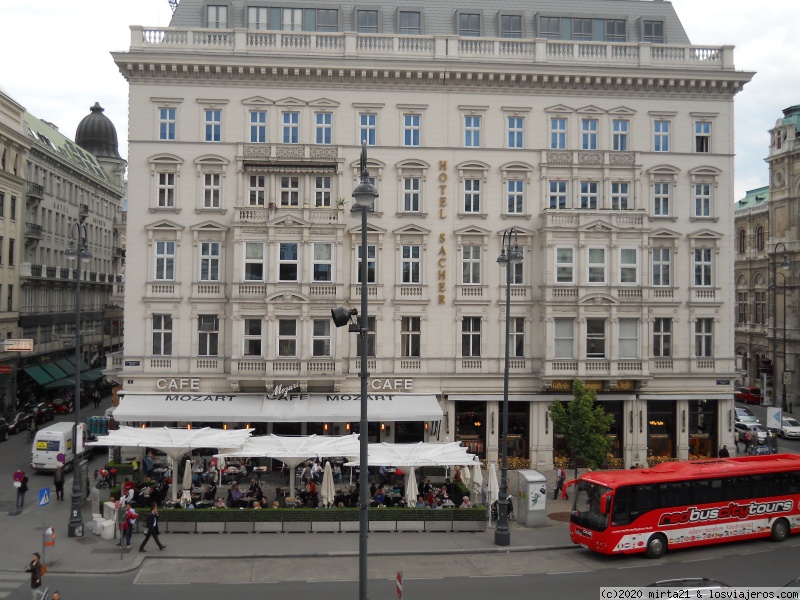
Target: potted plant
{"points": [[340, 203]]}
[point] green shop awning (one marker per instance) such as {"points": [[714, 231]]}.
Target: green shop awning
{"points": [[66, 366], [53, 371], [38, 374], [66, 382], [92, 375], [84, 366]]}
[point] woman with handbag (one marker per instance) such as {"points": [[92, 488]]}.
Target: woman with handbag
{"points": [[36, 569]]}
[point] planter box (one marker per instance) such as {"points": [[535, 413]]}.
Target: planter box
{"points": [[297, 526], [179, 527], [348, 526], [209, 526], [411, 526], [325, 526], [438, 525], [383, 525], [469, 526], [268, 527], [239, 527]]}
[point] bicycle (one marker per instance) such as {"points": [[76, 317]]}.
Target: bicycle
{"points": [[44, 594]]}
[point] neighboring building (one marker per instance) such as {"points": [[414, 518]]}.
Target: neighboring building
{"points": [[13, 153], [598, 132], [68, 183]]}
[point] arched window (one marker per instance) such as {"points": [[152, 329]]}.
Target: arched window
{"points": [[742, 241], [760, 238]]}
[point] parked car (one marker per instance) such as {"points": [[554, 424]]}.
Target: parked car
{"points": [[42, 411], [3, 430], [790, 428], [756, 429], [18, 422], [62, 407], [749, 395], [745, 415]]}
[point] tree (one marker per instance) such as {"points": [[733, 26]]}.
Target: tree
{"points": [[584, 425]]}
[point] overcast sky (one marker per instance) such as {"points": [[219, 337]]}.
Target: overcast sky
{"points": [[57, 63]]}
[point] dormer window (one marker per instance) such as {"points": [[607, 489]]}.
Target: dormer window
{"points": [[367, 21], [469, 25], [217, 17]]}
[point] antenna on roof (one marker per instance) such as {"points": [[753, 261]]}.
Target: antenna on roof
{"points": [[173, 4]]}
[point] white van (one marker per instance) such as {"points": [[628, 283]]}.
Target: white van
{"points": [[52, 441]]}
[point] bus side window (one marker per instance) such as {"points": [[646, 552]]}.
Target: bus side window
{"points": [[790, 483], [737, 488], [621, 511], [706, 491], [645, 499]]}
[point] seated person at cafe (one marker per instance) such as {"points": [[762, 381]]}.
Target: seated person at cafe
{"points": [[128, 486], [220, 503], [420, 502], [255, 491], [465, 503], [309, 494], [379, 497], [211, 492], [424, 487], [235, 497]]}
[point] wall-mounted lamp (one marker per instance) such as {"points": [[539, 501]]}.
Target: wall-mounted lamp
{"points": [[730, 420], [247, 426], [383, 426], [630, 420], [188, 426], [325, 427], [143, 425], [225, 426], [683, 420], [426, 426], [547, 421], [492, 422], [347, 426], [477, 423], [640, 421]]}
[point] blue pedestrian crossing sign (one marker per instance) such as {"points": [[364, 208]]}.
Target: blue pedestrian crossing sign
{"points": [[44, 496]]}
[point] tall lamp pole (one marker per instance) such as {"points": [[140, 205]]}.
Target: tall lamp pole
{"points": [[77, 250], [510, 254], [784, 265], [365, 195]]}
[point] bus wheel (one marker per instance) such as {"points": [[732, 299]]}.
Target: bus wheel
{"points": [[656, 546], [780, 530]]}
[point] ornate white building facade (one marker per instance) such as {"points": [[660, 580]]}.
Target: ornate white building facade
{"points": [[599, 133]]}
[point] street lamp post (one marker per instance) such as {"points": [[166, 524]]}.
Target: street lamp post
{"points": [[77, 250], [509, 255], [365, 195], [785, 266]]}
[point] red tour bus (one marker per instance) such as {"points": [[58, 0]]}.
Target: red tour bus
{"points": [[685, 504]]}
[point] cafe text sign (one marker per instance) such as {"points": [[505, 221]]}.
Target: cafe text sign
{"points": [[397, 385], [178, 383]]}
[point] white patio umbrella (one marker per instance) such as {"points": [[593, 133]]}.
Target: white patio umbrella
{"points": [[477, 480], [328, 488], [411, 489], [494, 488], [186, 488], [421, 454], [465, 475]]}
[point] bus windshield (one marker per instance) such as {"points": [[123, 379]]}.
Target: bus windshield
{"points": [[586, 508]]}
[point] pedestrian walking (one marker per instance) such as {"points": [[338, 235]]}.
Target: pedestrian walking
{"points": [[559, 482], [723, 452], [36, 571], [747, 439], [21, 483], [128, 523], [736, 440], [152, 530], [58, 481]]}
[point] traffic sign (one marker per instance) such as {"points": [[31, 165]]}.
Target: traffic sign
{"points": [[18, 345], [44, 496], [399, 585], [6, 369]]}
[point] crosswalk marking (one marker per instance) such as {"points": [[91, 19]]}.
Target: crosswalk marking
{"points": [[10, 582]]}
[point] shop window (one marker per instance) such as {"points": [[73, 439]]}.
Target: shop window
{"points": [[471, 426]]}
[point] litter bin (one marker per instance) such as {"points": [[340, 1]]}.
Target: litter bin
{"points": [[532, 505]]}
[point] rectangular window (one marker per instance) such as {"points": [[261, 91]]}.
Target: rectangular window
{"points": [[472, 195], [628, 265], [367, 21], [471, 337], [257, 18], [620, 134], [704, 338], [410, 336], [327, 19], [654, 32], [209, 261], [619, 195], [322, 191], [516, 332], [323, 123], [582, 29], [287, 338], [258, 126], [761, 308], [628, 338], [13, 208], [2, 204], [661, 267], [288, 261], [472, 131], [166, 123], [212, 190], [291, 127], [558, 133], [253, 340], [254, 261], [290, 191], [323, 261], [550, 28], [515, 195], [208, 335], [166, 190], [702, 267], [411, 187], [1, 249], [615, 30], [292, 19], [558, 194], [165, 261], [10, 298], [517, 274], [257, 189], [321, 337], [702, 137], [217, 17], [589, 195], [411, 128], [741, 307], [368, 127], [162, 335], [372, 263], [702, 200], [516, 129], [661, 195], [662, 338], [510, 26], [597, 265], [595, 338], [410, 23], [213, 124], [588, 133], [564, 337], [660, 136], [564, 265], [471, 265], [469, 25], [410, 266]]}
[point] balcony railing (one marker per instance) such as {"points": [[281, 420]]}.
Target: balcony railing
{"points": [[33, 230], [427, 48], [35, 190]]}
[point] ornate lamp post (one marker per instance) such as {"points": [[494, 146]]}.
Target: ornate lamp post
{"points": [[78, 249], [510, 254], [785, 266]]}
